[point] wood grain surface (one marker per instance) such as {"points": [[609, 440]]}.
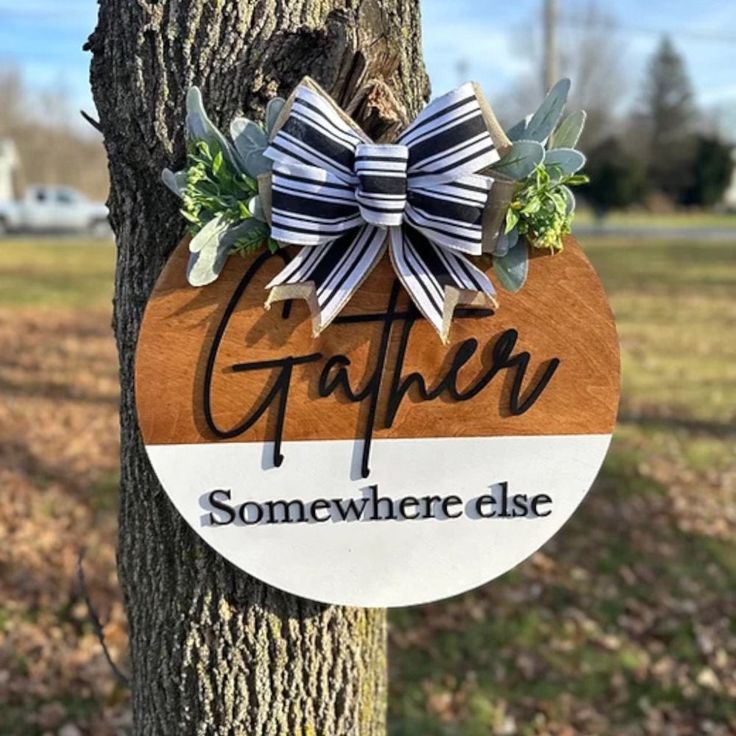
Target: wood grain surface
{"points": [[562, 313]]}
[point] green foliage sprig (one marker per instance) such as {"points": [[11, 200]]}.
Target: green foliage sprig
{"points": [[543, 162], [219, 188], [213, 187], [540, 209]]}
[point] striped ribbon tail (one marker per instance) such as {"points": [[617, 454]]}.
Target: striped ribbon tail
{"points": [[449, 144], [327, 275], [437, 279]]}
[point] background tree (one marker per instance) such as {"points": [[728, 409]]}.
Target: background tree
{"points": [[214, 651], [591, 50], [712, 171], [667, 116], [617, 178]]}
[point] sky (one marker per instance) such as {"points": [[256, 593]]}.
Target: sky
{"points": [[475, 39]]}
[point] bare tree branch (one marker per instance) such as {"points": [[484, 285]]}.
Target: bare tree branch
{"points": [[95, 619], [91, 121]]}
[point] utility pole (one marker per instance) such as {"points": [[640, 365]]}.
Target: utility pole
{"points": [[462, 67], [549, 71]]}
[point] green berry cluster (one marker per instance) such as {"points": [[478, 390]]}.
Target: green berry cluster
{"points": [[542, 206]]}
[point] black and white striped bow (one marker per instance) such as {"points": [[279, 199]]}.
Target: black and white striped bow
{"points": [[337, 193]]}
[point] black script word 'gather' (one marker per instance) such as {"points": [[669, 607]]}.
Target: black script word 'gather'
{"points": [[334, 376]]}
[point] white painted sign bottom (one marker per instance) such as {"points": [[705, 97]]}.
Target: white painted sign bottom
{"points": [[436, 517]]}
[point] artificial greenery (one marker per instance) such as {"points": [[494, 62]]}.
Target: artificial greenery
{"points": [[219, 188], [543, 163], [214, 187], [540, 208]]}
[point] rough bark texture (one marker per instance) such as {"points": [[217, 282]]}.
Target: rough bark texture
{"points": [[212, 650]]}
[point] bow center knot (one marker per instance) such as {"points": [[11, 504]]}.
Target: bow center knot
{"points": [[381, 192]]}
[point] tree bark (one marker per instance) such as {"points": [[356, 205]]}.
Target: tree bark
{"points": [[214, 651]]}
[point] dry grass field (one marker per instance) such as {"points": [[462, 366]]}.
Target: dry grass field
{"points": [[623, 625]]}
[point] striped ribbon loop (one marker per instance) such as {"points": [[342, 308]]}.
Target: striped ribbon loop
{"points": [[310, 206], [339, 194]]}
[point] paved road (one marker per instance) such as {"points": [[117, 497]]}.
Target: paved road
{"points": [[642, 231]]}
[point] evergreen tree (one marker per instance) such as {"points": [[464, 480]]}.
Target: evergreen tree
{"points": [[617, 178], [668, 114], [712, 173]]}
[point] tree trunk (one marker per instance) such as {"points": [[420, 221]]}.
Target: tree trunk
{"points": [[214, 651]]}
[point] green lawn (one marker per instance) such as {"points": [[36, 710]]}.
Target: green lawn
{"points": [[624, 623], [65, 273]]}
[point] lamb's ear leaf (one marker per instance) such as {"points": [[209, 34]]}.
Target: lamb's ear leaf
{"points": [[506, 241], [273, 110], [208, 260], [247, 136], [545, 119], [200, 127], [516, 132], [520, 160], [564, 160], [176, 181], [513, 268], [196, 127], [210, 233], [204, 267], [257, 164], [201, 268], [570, 129]]}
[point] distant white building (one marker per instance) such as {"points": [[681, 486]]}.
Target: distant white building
{"points": [[9, 164]]}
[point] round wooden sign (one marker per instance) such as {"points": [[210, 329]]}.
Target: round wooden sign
{"points": [[373, 465]]}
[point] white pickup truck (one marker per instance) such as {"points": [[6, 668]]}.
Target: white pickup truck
{"points": [[47, 209]]}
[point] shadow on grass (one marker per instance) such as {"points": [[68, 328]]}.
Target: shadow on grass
{"points": [[598, 631]]}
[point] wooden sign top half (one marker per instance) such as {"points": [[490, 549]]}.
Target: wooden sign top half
{"points": [[209, 358]]}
